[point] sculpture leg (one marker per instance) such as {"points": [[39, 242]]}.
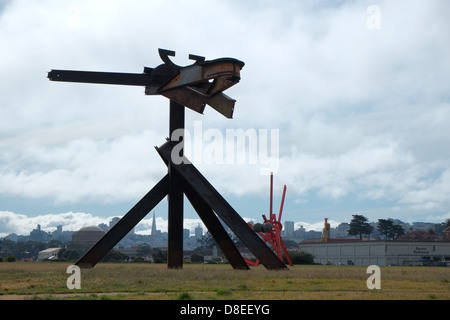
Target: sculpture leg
{"points": [[175, 198]]}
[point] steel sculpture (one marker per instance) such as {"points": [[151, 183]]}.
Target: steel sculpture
{"points": [[193, 86]]}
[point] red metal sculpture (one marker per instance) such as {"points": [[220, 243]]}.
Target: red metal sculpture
{"points": [[270, 230]]}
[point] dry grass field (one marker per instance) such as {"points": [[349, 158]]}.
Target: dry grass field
{"points": [[143, 281]]}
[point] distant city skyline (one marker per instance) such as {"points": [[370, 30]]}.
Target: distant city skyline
{"points": [[196, 225]]}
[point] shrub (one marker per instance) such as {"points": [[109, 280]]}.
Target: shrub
{"points": [[301, 257], [195, 257], [10, 258]]}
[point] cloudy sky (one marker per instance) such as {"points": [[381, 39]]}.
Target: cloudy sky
{"points": [[353, 98]]}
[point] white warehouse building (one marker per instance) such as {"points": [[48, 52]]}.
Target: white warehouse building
{"points": [[381, 253]]}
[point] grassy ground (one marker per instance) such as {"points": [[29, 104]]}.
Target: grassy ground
{"points": [[142, 281]]}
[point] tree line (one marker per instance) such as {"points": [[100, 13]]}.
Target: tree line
{"points": [[360, 226]]}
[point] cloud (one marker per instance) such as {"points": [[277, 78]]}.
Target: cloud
{"points": [[82, 169], [21, 224], [317, 226], [361, 113]]}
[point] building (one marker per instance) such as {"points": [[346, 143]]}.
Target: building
{"points": [[153, 233], [289, 228], [186, 234], [48, 254], [113, 222], [87, 236], [381, 253], [446, 234], [198, 231]]}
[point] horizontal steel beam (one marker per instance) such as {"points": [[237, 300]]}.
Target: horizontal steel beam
{"points": [[128, 79]]}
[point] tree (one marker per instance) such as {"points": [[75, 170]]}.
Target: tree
{"points": [[290, 243], [54, 244], [28, 249], [68, 254], [197, 258], [205, 242], [397, 231], [389, 230], [446, 224], [10, 258], [300, 257], [159, 256], [143, 249], [115, 256], [384, 227], [359, 225]]}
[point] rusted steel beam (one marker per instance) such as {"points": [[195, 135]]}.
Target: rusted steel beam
{"points": [[175, 197], [189, 97], [226, 68], [129, 79]]}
